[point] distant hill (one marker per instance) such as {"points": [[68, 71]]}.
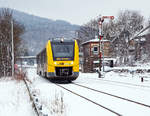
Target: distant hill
{"points": [[38, 30]]}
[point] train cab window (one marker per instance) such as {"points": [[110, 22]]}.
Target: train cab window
{"points": [[63, 50]]}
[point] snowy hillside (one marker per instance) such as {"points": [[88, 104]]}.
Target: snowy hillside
{"points": [[38, 30]]}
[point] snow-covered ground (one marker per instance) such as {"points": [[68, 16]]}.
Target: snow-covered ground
{"points": [[14, 99], [130, 87], [56, 101]]}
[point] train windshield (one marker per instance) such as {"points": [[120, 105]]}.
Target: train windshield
{"points": [[63, 51]]}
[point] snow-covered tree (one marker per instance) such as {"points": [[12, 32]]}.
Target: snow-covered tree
{"points": [[119, 31], [88, 31], [128, 23], [6, 41]]}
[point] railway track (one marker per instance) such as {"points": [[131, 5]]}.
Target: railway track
{"points": [[31, 98], [22, 75], [136, 85], [115, 110], [142, 104], [102, 106], [124, 83]]}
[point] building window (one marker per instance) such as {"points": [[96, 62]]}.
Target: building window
{"points": [[95, 50]]}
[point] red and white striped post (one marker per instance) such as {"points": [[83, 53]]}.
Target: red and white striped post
{"points": [[101, 54]]}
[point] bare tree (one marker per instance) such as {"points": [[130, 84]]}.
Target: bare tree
{"points": [[6, 42], [88, 31], [128, 23], [118, 31]]}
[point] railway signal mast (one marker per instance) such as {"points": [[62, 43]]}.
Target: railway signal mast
{"points": [[101, 42]]}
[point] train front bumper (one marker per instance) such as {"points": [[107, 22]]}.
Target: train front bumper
{"points": [[53, 75]]}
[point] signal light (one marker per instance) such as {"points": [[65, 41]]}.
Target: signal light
{"points": [[100, 37], [111, 17]]}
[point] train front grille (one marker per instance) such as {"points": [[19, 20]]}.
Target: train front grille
{"points": [[63, 71]]}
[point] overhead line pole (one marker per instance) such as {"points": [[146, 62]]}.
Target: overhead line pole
{"points": [[12, 38]]}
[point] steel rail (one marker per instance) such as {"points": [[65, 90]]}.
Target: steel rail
{"points": [[134, 85], [35, 108], [145, 86], [113, 95], [114, 112]]}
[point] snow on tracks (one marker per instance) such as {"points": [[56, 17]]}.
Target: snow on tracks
{"points": [[142, 104], [75, 105], [86, 98], [121, 106]]}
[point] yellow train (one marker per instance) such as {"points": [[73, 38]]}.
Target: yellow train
{"points": [[59, 60]]}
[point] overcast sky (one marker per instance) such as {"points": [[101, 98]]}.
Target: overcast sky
{"points": [[77, 11]]}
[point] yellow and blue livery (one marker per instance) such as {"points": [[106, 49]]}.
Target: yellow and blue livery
{"points": [[59, 60]]}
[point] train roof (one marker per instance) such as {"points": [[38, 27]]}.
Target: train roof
{"points": [[62, 39]]}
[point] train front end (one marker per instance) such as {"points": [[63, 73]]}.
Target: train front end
{"points": [[63, 60]]}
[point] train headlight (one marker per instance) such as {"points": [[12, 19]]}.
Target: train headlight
{"points": [[71, 62], [55, 63]]}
